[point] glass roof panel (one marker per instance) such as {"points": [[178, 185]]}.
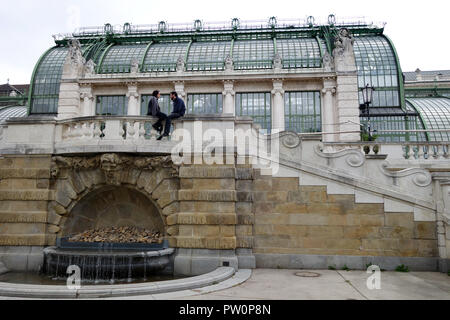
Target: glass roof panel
{"points": [[118, 59], [47, 80], [299, 53], [377, 66], [164, 56], [208, 55], [253, 54], [12, 112], [435, 113]]}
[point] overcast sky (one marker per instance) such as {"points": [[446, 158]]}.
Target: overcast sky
{"points": [[419, 29]]}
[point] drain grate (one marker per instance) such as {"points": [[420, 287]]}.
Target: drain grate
{"points": [[307, 274]]}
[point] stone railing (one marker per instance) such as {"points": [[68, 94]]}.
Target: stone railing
{"points": [[405, 150], [111, 128]]}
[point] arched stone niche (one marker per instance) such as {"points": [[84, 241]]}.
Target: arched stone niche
{"points": [[139, 190], [112, 206]]}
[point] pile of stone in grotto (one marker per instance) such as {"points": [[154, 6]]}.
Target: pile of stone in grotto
{"points": [[118, 235]]}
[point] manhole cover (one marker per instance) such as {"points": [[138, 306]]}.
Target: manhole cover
{"points": [[307, 274]]}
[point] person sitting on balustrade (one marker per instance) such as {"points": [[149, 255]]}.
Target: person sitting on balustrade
{"points": [[179, 110], [155, 111]]}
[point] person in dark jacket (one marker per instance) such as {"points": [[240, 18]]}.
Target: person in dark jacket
{"points": [[155, 111], [179, 110]]}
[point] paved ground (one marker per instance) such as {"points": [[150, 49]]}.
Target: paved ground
{"points": [[265, 284], [335, 285]]}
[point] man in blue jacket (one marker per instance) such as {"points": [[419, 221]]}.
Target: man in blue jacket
{"points": [[179, 110]]}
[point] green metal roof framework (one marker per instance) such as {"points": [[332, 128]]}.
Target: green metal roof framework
{"points": [[203, 50], [435, 115]]}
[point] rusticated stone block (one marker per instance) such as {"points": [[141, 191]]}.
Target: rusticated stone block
{"points": [[395, 233], [245, 218], [360, 208], [23, 195], [325, 208], [405, 220], [206, 206], [207, 172], [285, 184], [172, 219], [167, 199], [23, 217], [22, 173], [206, 231], [206, 218], [22, 228], [244, 230], [244, 242], [244, 207], [43, 184], [23, 240], [244, 196], [271, 218], [53, 218], [166, 186], [171, 209], [213, 184], [244, 185], [261, 184], [53, 229], [76, 182], [292, 208], [145, 178], [428, 248], [220, 196], [362, 232], [244, 173], [217, 243], [367, 220], [173, 231], [65, 194], [186, 183], [92, 178], [425, 230], [23, 184], [57, 208]]}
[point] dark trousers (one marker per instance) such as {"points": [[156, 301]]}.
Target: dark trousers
{"points": [[169, 119], [161, 117]]}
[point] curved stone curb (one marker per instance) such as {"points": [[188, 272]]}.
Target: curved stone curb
{"points": [[122, 290], [239, 278]]}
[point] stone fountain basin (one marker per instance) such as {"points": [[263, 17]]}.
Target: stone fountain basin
{"points": [[107, 265], [104, 291]]}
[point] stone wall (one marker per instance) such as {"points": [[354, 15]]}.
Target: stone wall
{"points": [[24, 222], [304, 220]]}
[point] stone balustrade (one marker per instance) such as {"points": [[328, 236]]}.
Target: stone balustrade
{"points": [[405, 150], [94, 129]]}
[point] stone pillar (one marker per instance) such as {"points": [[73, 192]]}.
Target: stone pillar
{"points": [[328, 112], [278, 122], [69, 89], [347, 100], [133, 100], [206, 220], [87, 101], [228, 98], [179, 88]]}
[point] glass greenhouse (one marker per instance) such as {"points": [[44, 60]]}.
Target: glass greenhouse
{"points": [[251, 49]]}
